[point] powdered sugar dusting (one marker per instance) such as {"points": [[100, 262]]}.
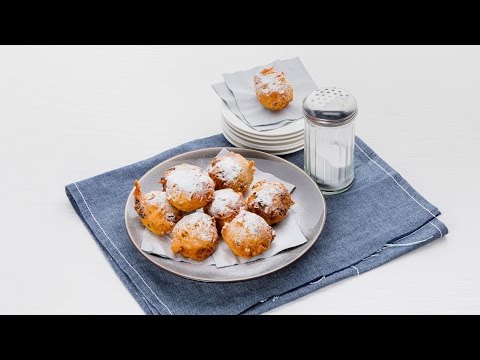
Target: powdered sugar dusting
{"points": [[159, 199], [196, 216], [201, 223], [231, 169], [265, 195], [188, 179], [224, 200], [268, 81], [253, 222]]}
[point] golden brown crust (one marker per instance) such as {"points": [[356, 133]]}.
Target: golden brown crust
{"points": [[232, 171], [272, 88], [155, 212], [188, 187], [225, 205], [271, 200], [248, 235], [195, 236]]}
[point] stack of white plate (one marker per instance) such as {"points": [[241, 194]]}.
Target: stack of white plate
{"points": [[281, 141]]}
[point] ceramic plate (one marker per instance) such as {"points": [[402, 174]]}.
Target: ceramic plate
{"points": [[266, 141], [309, 211], [237, 142], [291, 130], [270, 148]]}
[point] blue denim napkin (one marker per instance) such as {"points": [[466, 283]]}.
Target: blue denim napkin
{"points": [[380, 218]]}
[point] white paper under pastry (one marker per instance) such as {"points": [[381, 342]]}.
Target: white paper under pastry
{"points": [[288, 235], [160, 245], [241, 85], [227, 96]]}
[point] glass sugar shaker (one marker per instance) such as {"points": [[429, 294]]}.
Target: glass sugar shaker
{"points": [[329, 114]]}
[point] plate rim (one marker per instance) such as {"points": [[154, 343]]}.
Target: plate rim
{"points": [[228, 114], [263, 147], [245, 147], [240, 145], [260, 137], [282, 142], [147, 255]]}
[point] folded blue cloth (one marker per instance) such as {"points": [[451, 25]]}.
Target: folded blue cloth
{"points": [[380, 218]]}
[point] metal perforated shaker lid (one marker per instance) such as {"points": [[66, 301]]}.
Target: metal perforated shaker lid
{"points": [[330, 106]]}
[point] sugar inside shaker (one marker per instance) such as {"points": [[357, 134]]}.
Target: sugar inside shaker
{"points": [[329, 114]]}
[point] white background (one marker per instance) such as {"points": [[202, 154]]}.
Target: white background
{"points": [[68, 113]]}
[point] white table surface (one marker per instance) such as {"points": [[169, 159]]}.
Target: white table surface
{"points": [[68, 113]]}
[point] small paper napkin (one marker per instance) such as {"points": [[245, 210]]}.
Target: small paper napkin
{"points": [[238, 92], [227, 96], [288, 235]]}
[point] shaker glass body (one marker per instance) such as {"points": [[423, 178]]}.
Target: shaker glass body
{"points": [[329, 155]]}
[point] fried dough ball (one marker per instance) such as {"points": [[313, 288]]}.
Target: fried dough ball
{"points": [[271, 200], [232, 171], [248, 235], [272, 88], [225, 205], [188, 187], [155, 212], [195, 236]]}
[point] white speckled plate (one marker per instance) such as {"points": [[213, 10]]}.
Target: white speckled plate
{"points": [[293, 129], [282, 144], [309, 211], [240, 144], [271, 149]]}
